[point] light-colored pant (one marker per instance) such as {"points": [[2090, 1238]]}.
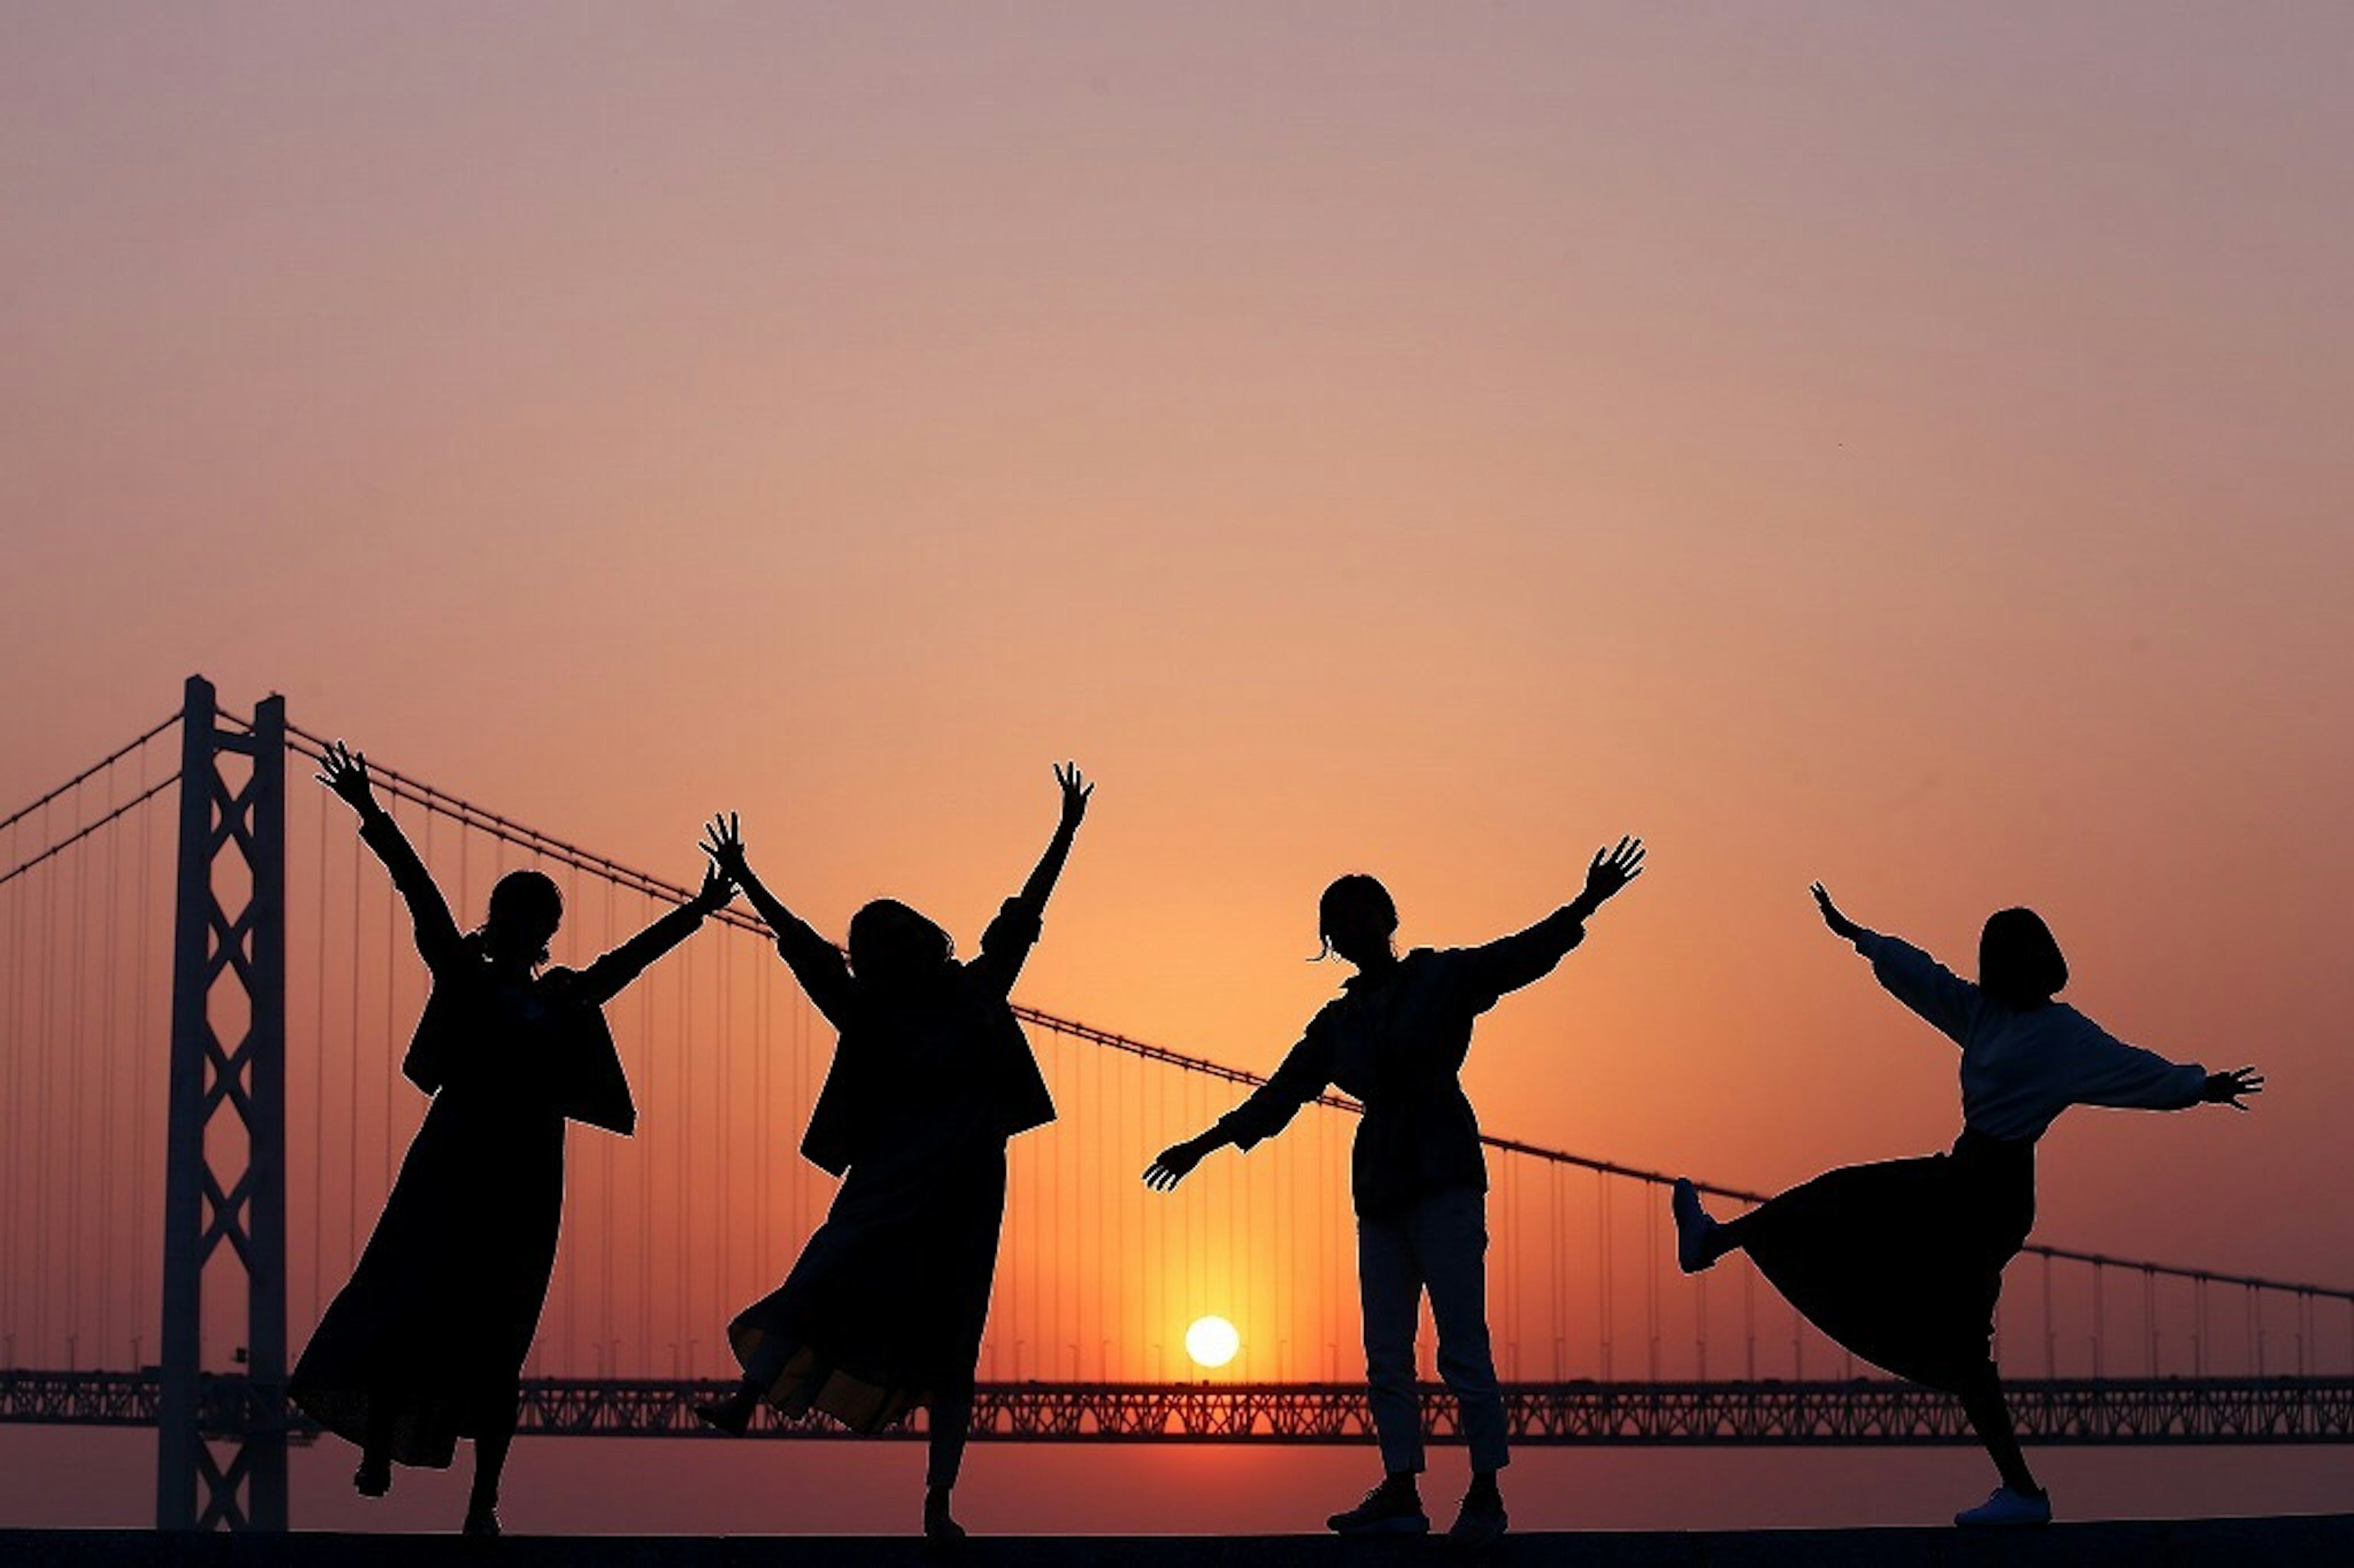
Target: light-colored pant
{"points": [[1438, 1244]]}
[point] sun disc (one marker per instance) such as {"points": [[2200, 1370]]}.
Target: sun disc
{"points": [[1211, 1342]]}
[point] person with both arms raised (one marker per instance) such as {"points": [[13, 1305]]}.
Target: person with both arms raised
{"points": [[884, 1310], [426, 1344]]}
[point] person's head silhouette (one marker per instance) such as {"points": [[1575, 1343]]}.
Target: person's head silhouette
{"points": [[1356, 919], [526, 910], [892, 945], [2019, 963]]}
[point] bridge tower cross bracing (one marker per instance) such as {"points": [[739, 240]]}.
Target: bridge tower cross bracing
{"points": [[221, 1461]]}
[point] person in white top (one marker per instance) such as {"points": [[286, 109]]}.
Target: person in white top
{"points": [[1902, 1261]]}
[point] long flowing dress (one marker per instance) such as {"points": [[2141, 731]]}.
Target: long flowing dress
{"points": [[1902, 1261], [426, 1344], [884, 1310]]}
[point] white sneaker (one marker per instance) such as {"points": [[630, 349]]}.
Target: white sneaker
{"points": [[1692, 1226], [2005, 1505]]}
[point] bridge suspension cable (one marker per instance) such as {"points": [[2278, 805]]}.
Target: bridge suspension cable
{"points": [[417, 792], [108, 760]]}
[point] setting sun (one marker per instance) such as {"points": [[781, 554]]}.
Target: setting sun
{"points": [[1211, 1342]]}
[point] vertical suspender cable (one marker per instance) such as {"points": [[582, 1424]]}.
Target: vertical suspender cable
{"points": [[1603, 1272], [574, 920], [45, 1205], [644, 1189], [352, 1132], [685, 1045], [1748, 1321], [316, 1056], [1700, 1336], [1508, 1364], [2051, 1335], [2100, 1317], [12, 1192], [77, 1048], [1651, 1287], [1104, 1264], [109, 980], [607, 1223], [1066, 1229], [391, 1046], [19, 1142], [146, 1094], [729, 1220]]}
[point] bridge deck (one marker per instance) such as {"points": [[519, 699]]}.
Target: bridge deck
{"points": [[1855, 1412], [2157, 1543]]}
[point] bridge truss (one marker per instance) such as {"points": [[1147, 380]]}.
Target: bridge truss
{"points": [[1827, 1413]]}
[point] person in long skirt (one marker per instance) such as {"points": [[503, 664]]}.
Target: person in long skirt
{"points": [[931, 1076], [1902, 1261], [426, 1344], [1396, 1038]]}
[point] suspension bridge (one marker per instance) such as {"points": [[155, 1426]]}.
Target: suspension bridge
{"points": [[204, 1015]]}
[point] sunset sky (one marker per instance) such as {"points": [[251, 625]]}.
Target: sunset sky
{"points": [[1898, 445]]}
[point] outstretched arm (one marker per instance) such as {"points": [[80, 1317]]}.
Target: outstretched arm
{"points": [[1006, 944], [1525, 957], [817, 963], [609, 975], [2102, 1070], [1941, 997], [1305, 1072], [437, 941]]}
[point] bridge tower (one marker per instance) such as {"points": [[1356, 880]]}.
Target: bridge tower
{"points": [[224, 1160]]}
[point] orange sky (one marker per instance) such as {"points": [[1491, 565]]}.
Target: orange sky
{"points": [[1904, 450]]}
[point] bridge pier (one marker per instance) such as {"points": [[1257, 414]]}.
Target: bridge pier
{"points": [[215, 947]]}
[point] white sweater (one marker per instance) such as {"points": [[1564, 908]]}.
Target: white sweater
{"points": [[2020, 1070]]}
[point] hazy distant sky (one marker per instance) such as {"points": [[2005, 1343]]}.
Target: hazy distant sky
{"points": [[1900, 445]]}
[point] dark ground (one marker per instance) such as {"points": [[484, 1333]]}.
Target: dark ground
{"points": [[2311, 1539]]}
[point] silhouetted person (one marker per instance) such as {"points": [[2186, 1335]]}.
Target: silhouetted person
{"points": [[884, 1310], [1395, 1039], [426, 1344], [1902, 1261]]}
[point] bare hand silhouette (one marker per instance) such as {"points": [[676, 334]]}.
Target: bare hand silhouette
{"points": [[1612, 870], [1841, 925], [1173, 1166], [347, 776], [1076, 790], [718, 888], [722, 840], [2225, 1089]]}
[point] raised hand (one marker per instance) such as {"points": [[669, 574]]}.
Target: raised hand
{"points": [[1612, 870], [722, 840], [1842, 927], [2225, 1089], [1076, 790], [717, 889], [346, 774], [1172, 1165]]}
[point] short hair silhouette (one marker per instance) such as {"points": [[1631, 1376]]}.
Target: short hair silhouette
{"points": [[890, 942], [527, 907], [1356, 900], [2020, 962]]}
